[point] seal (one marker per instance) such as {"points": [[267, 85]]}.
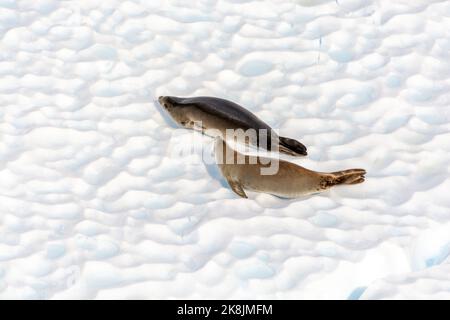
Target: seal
{"points": [[289, 181], [221, 115]]}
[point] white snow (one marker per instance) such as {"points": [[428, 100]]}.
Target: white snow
{"points": [[101, 196]]}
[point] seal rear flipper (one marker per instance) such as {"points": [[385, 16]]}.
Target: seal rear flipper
{"points": [[291, 147], [237, 188], [351, 176]]}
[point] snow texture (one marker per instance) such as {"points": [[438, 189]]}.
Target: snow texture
{"points": [[94, 203]]}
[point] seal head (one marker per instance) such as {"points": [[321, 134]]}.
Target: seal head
{"points": [[176, 110]]}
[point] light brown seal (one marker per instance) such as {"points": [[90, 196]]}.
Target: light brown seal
{"points": [[244, 172]]}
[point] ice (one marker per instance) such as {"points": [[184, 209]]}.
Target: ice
{"points": [[255, 68], [101, 196], [357, 293], [55, 250], [241, 250], [255, 270], [431, 247], [324, 220]]}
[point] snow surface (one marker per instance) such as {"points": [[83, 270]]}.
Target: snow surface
{"points": [[93, 203]]}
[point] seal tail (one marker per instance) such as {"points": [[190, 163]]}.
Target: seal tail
{"points": [[291, 147], [351, 176]]}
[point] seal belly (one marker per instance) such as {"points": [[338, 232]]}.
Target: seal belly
{"points": [[289, 181], [207, 121], [220, 125]]}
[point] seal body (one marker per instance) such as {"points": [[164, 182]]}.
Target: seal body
{"points": [[212, 114], [289, 180]]}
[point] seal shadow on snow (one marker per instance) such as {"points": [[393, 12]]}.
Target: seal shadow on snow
{"points": [[167, 119], [214, 171]]}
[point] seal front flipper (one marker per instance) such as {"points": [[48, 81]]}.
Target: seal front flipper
{"points": [[236, 187], [292, 147]]}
